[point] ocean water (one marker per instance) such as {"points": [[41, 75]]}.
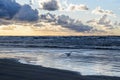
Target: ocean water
{"points": [[89, 55]]}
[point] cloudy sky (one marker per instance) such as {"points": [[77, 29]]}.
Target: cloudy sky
{"points": [[59, 17]]}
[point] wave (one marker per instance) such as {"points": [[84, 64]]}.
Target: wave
{"points": [[73, 42]]}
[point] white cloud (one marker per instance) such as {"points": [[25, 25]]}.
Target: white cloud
{"points": [[104, 21], [100, 11], [81, 7], [32, 2], [102, 24], [4, 27]]}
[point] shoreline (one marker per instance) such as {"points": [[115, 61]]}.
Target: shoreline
{"points": [[11, 69]]}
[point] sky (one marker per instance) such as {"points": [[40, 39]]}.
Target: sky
{"points": [[59, 17]]}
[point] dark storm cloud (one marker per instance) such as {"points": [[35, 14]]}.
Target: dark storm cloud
{"points": [[10, 9]]}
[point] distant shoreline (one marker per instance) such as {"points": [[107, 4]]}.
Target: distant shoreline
{"points": [[10, 69]]}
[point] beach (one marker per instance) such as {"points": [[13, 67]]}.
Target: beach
{"points": [[44, 58], [10, 69]]}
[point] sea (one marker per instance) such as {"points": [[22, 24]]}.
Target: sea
{"points": [[87, 55]]}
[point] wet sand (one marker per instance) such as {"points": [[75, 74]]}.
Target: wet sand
{"points": [[10, 69]]}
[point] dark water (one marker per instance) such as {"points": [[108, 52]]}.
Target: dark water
{"points": [[89, 55], [75, 42]]}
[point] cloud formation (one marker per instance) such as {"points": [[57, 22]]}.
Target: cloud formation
{"points": [[49, 17], [66, 22], [117, 23], [100, 11], [10, 9], [73, 24], [26, 13], [4, 22], [50, 5], [81, 7], [103, 22]]}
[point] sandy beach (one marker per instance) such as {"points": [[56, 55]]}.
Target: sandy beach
{"points": [[10, 69]]}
